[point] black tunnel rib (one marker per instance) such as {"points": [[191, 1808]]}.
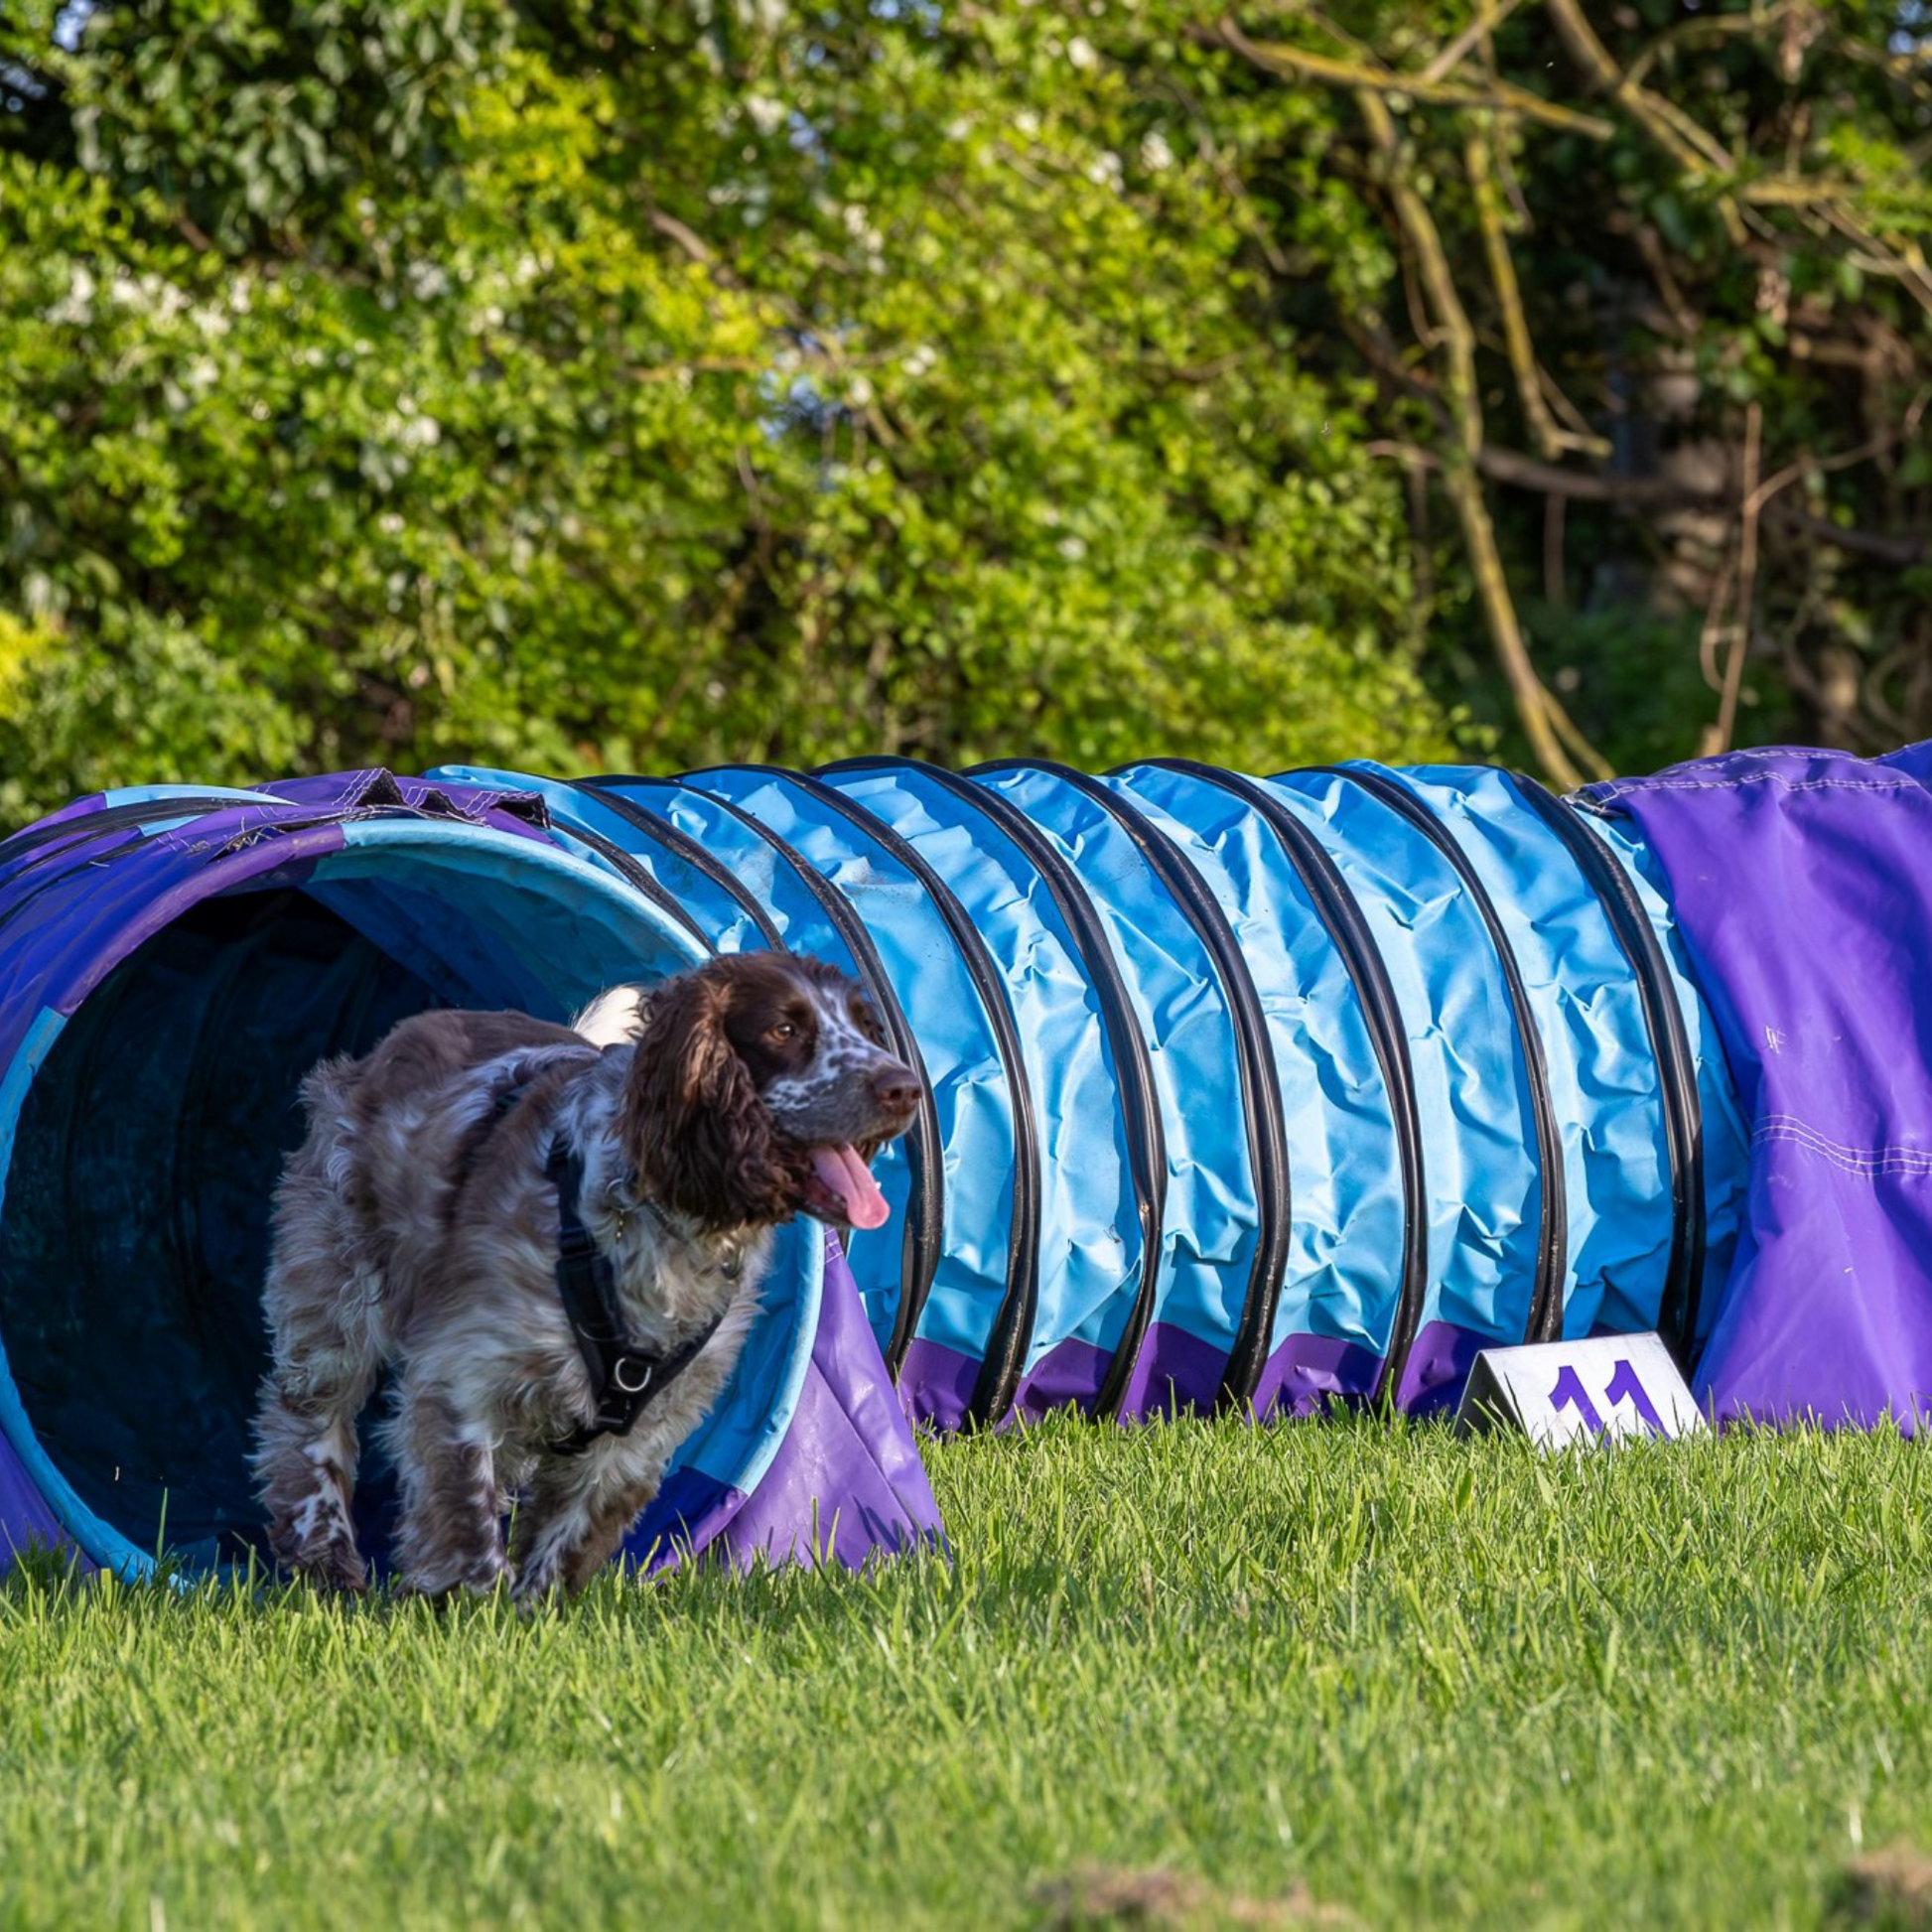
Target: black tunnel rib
{"points": [[1545, 1323], [1146, 1152], [637, 877], [1676, 1069], [1341, 919], [1022, 1234], [1260, 1082], [924, 1219], [681, 846]]}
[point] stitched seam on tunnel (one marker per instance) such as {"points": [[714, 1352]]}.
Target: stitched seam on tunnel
{"points": [[1622, 787], [1854, 1160]]}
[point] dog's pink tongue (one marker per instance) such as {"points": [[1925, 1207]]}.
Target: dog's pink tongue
{"points": [[851, 1179]]}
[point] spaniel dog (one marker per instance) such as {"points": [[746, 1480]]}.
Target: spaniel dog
{"points": [[555, 1235]]}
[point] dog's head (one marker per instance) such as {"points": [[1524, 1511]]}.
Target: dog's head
{"points": [[762, 1088]]}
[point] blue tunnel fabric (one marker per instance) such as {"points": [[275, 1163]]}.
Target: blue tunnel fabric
{"points": [[1256, 1092], [1343, 1164], [1483, 1188], [1171, 1035], [1063, 1319]]}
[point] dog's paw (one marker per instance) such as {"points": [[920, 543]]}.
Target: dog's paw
{"points": [[535, 1588], [334, 1568], [481, 1578]]}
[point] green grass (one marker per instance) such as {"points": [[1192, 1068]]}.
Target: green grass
{"points": [[1426, 1679]]}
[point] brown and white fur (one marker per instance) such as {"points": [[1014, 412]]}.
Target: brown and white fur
{"points": [[416, 1227]]}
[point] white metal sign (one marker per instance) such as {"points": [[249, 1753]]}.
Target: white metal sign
{"points": [[1558, 1392]]}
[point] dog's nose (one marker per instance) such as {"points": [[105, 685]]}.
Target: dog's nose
{"points": [[896, 1089]]}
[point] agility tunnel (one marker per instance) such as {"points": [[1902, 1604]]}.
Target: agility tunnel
{"points": [[170, 963], [1243, 1092]]}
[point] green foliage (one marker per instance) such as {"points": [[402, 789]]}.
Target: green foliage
{"points": [[1716, 220], [1432, 1682], [425, 380], [644, 388]]}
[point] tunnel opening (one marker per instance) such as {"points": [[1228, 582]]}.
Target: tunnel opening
{"points": [[146, 1148]]}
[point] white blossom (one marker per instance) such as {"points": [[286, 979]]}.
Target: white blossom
{"points": [[77, 305], [767, 115]]}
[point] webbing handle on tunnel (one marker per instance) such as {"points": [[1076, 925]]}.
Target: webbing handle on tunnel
{"points": [[1260, 1082], [1341, 919], [44, 848], [1669, 1041], [1545, 1321]]}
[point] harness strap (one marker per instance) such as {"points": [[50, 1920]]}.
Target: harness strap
{"points": [[625, 1378]]}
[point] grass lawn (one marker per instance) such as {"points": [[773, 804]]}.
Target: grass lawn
{"points": [[1318, 1672]]}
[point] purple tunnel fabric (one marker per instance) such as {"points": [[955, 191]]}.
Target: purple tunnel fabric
{"points": [[1802, 885], [847, 1481]]}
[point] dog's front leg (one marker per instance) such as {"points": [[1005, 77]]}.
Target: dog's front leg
{"points": [[304, 1462], [451, 1535], [576, 1514]]}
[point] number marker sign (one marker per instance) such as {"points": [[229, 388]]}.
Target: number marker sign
{"points": [[1558, 1392]]}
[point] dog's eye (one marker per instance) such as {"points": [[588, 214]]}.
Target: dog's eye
{"points": [[783, 1029]]}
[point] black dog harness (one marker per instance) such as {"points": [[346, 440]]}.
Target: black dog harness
{"points": [[625, 1376]]}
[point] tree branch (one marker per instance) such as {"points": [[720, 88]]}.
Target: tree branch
{"points": [[1717, 738], [1626, 492], [1499, 96], [1549, 439], [1680, 137], [1552, 735], [1489, 18]]}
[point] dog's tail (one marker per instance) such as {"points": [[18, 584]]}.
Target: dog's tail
{"points": [[614, 1019]]}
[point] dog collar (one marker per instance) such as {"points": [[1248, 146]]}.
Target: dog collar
{"points": [[620, 1197]]}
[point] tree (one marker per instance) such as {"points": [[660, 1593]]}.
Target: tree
{"points": [[1645, 291], [416, 382]]}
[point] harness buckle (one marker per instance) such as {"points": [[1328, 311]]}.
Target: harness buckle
{"points": [[627, 1367]]}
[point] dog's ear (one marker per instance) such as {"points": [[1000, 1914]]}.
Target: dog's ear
{"points": [[693, 1123]]}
